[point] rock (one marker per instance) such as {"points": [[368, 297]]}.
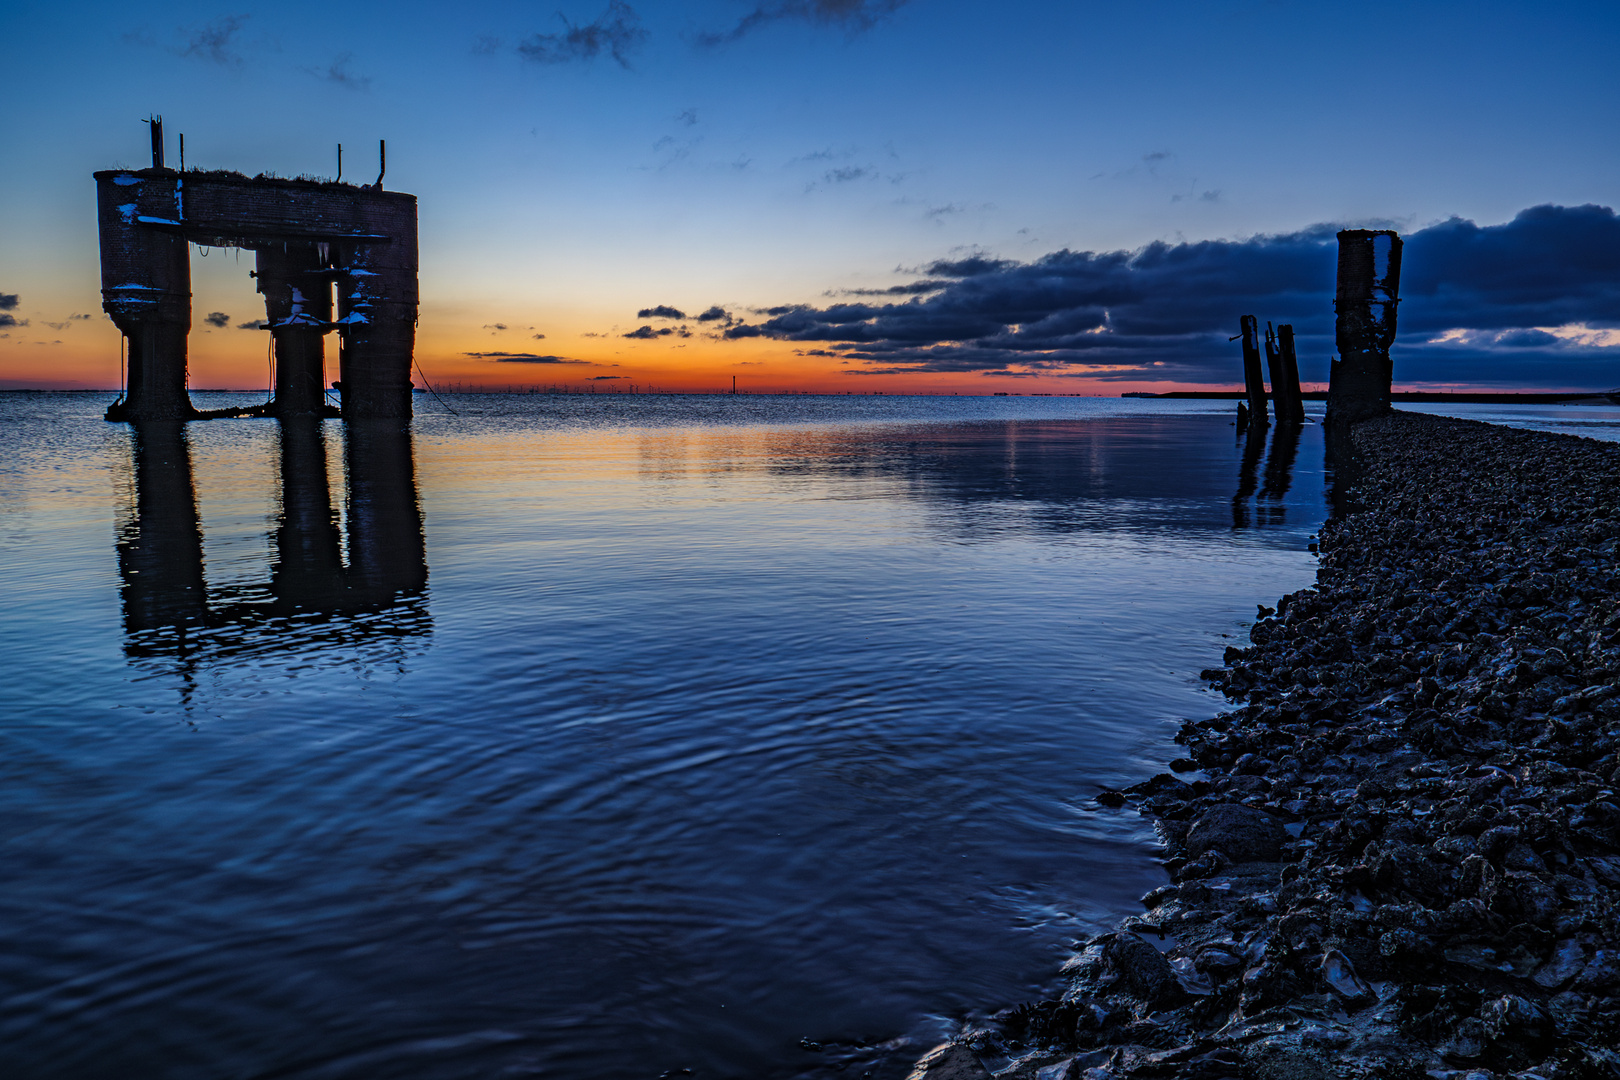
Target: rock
{"points": [[950, 1061], [1341, 977], [1602, 972], [1565, 963], [1141, 968], [1241, 833]]}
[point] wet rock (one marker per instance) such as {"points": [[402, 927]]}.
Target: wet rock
{"points": [[1340, 975], [1565, 963], [1241, 833], [1142, 969], [951, 1061]]}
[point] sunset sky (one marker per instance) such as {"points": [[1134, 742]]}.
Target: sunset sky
{"points": [[860, 194]]}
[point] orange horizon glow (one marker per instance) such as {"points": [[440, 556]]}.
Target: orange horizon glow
{"points": [[87, 357]]}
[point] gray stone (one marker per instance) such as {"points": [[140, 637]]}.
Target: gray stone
{"points": [[951, 1061], [1241, 833], [1141, 968]]}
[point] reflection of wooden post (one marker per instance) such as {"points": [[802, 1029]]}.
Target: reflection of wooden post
{"points": [[1368, 292], [1253, 378], [1285, 392]]}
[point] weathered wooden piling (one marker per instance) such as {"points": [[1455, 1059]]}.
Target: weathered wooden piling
{"points": [[1367, 295], [1286, 397], [1253, 377]]}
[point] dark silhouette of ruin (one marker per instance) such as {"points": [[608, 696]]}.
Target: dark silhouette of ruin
{"points": [[308, 236], [1368, 293]]}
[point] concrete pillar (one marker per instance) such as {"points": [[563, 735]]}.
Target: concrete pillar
{"points": [[298, 303], [1368, 293], [377, 299], [146, 288]]}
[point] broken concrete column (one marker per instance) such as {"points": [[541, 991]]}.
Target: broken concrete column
{"points": [[146, 288], [298, 303], [1368, 293], [377, 300]]}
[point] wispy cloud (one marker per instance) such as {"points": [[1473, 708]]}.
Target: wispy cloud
{"points": [[522, 358], [852, 16], [217, 319], [617, 31], [339, 73], [215, 41]]}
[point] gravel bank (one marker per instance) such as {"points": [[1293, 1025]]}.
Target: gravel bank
{"points": [[1400, 856]]}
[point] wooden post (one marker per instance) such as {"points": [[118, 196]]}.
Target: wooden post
{"points": [[1290, 401], [1253, 378]]}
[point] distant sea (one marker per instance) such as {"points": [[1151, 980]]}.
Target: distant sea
{"points": [[595, 736]]}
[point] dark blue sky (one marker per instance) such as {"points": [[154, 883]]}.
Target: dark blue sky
{"points": [[1132, 178]]}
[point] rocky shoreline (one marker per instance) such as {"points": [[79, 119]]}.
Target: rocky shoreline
{"points": [[1400, 853]]}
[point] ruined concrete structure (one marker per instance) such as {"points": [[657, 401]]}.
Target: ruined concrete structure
{"points": [[308, 236], [1368, 294]]}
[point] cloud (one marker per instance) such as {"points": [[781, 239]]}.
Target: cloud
{"points": [[338, 72], [522, 358], [617, 31], [218, 319], [715, 313], [845, 175], [662, 311], [647, 333], [253, 324], [687, 117], [910, 288], [599, 378], [854, 16], [67, 322], [539, 337], [495, 326], [11, 320], [214, 41], [1551, 276], [8, 301]]}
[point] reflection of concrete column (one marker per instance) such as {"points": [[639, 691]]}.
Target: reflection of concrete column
{"points": [[146, 287], [1368, 292], [387, 554], [160, 549], [298, 302], [308, 571]]}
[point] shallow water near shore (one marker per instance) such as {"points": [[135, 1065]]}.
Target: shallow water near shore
{"points": [[594, 736]]}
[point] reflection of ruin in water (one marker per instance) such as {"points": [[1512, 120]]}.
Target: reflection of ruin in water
{"points": [[1268, 506], [313, 599]]}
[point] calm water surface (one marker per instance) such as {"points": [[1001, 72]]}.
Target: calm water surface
{"points": [[595, 738]]}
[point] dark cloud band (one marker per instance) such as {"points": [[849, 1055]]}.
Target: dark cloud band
{"points": [[1473, 298]]}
